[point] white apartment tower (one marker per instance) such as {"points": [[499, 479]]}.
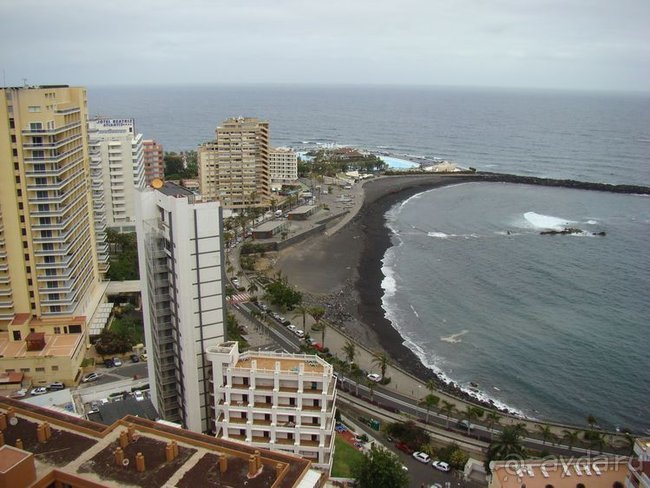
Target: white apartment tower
{"points": [[181, 273], [283, 166], [277, 401], [117, 156]]}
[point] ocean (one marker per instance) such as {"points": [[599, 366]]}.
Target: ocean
{"points": [[554, 326]]}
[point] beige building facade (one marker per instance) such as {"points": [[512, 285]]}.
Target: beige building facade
{"points": [[49, 266], [283, 166], [278, 401], [154, 160], [234, 169]]}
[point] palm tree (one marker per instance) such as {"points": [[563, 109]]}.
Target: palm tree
{"points": [[356, 374], [572, 437], [506, 446], [472, 413], [371, 386], [429, 401], [317, 314], [591, 420], [382, 361], [492, 418], [252, 288], [431, 385], [596, 439], [547, 434], [350, 350], [448, 408], [303, 310]]}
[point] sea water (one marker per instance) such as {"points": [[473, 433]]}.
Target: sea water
{"points": [[554, 326]]}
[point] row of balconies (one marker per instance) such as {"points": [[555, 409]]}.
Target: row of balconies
{"points": [[53, 131], [52, 144]]}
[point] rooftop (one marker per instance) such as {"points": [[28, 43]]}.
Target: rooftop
{"points": [[79, 451], [61, 345], [175, 190], [285, 362], [303, 209], [590, 471]]}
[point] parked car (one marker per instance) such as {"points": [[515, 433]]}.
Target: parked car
{"points": [[117, 362], [135, 358], [139, 395], [423, 457], [41, 390], [403, 447], [464, 424], [57, 385], [300, 333], [143, 357], [374, 377], [440, 466], [19, 394], [340, 428], [108, 363], [94, 407], [311, 341], [292, 327], [318, 346], [90, 377]]}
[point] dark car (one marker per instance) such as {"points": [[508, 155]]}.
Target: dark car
{"points": [[404, 447], [135, 358], [109, 363]]}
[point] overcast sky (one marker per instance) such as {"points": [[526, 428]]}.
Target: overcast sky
{"points": [[574, 44]]}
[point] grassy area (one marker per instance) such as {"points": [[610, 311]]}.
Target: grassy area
{"points": [[345, 456]]}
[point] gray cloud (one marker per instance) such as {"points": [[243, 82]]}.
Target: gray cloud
{"points": [[590, 44]]}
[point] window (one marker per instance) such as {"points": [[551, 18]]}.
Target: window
{"points": [[55, 368], [43, 207], [34, 109], [40, 181], [53, 296], [39, 168], [74, 329], [16, 335], [35, 126], [57, 330], [12, 124], [25, 370], [55, 308], [39, 154], [40, 370]]}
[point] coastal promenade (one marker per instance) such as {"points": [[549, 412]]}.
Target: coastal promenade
{"points": [[341, 270]]}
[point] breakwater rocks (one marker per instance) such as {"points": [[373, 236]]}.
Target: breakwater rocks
{"points": [[578, 185]]}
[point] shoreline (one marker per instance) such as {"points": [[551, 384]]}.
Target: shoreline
{"points": [[359, 246]]}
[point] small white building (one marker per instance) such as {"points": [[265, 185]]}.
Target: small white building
{"points": [[278, 401]]}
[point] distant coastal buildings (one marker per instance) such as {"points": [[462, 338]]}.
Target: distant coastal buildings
{"points": [[283, 166], [234, 169], [117, 158], [154, 163]]}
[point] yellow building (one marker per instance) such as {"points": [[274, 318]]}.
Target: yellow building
{"points": [[234, 169], [49, 270]]}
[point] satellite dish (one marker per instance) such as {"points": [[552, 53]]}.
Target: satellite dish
{"points": [[13, 421], [125, 462], [157, 183]]}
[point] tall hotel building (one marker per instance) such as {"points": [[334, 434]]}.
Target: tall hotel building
{"points": [[181, 273], [49, 267], [154, 161], [117, 160], [234, 169], [283, 166]]}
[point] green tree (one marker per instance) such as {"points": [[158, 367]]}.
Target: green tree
{"points": [[282, 294], [572, 437], [111, 343], [350, 350], [382, 361], [471, 413], [430, 401], [591, 420], [546, 433], [356, 374], [507, 446], [173, 165], [448, 408], [492, 419], [317, 314], [380, 469], [302, 310]]}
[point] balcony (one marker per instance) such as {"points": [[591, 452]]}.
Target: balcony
{"points": [[52, 144], [54, 131]]}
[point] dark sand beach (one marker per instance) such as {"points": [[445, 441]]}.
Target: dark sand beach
{"points": [[343, 271]]}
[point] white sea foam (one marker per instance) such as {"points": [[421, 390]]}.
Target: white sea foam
{"points": [[454, 338], [414, 311], [591, 222], [440, 235], [540, 221]]}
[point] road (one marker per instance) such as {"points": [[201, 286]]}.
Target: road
{"points": [[108, 375]]}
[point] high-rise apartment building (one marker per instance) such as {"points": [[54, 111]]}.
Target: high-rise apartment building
{"points": [[49, 267], [278, 401], [235, 168], [118, 151], [154, 162], [283, 167], [181, 273]]}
